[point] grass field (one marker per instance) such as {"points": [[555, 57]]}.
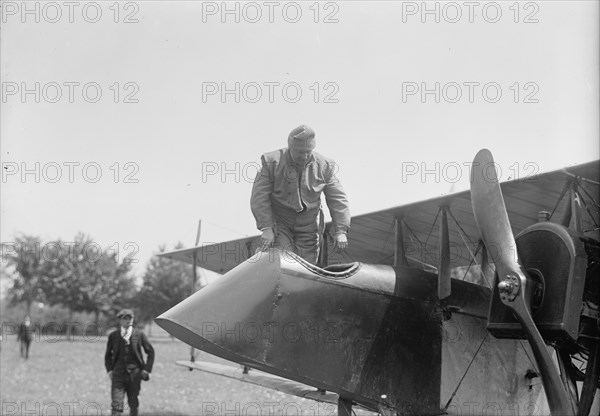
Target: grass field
{"points": [[68, 378]]}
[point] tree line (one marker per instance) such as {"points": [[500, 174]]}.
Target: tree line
{"points": [[81, 277]]}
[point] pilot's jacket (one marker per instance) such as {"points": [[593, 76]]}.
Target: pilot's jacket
{"points": [[282, 185]]}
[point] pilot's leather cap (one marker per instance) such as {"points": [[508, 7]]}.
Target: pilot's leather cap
{"points": [[302, 138]]}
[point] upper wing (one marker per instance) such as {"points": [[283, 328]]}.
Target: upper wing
{"points": [[219, 257], [372, 236]]}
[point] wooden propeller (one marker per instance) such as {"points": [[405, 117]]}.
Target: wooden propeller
{"points": [[492, 220]]}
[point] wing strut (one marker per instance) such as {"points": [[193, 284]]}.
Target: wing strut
{"points": [[444, 284], [399, 249], [344, 407], [195, 279]]}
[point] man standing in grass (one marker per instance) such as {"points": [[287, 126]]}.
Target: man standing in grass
{"points": [[24, 335], [125, 364]]}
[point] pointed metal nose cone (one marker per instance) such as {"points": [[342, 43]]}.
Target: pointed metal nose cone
{"points": [[227, 318], [277, 313], [357, 331]]}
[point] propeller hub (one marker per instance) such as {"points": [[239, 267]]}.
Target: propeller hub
{"points": [[508, 287]]}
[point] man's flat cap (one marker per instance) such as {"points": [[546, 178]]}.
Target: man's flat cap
{"points": [[125, 312]]}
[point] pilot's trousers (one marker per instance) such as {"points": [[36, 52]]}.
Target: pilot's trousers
{"points": [[298, 232]]}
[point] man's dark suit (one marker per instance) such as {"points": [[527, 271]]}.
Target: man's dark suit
{"points": [[138, 341], [25, 337], [127, 380]]}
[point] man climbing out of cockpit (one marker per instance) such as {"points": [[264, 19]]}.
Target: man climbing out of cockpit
{"points": [[286, 197]]}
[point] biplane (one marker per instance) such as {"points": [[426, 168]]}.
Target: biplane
{"points": [[434, 308]]}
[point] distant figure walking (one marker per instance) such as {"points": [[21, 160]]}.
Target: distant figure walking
{"points": [[25, 336], [125, 364]]}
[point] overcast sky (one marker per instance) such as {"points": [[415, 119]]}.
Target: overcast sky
{"points": [[131, 121]]}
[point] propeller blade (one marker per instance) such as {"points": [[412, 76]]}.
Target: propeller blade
{"points": [[490, 213], [492, 220], [558, 400]]}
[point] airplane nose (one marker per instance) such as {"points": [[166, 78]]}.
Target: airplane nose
{"points": [[230, 317], [357, 330], [275, 313]]}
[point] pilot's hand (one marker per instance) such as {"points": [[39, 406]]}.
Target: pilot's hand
{"points": [[341, 241], [267, 239], [110, 375]]}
